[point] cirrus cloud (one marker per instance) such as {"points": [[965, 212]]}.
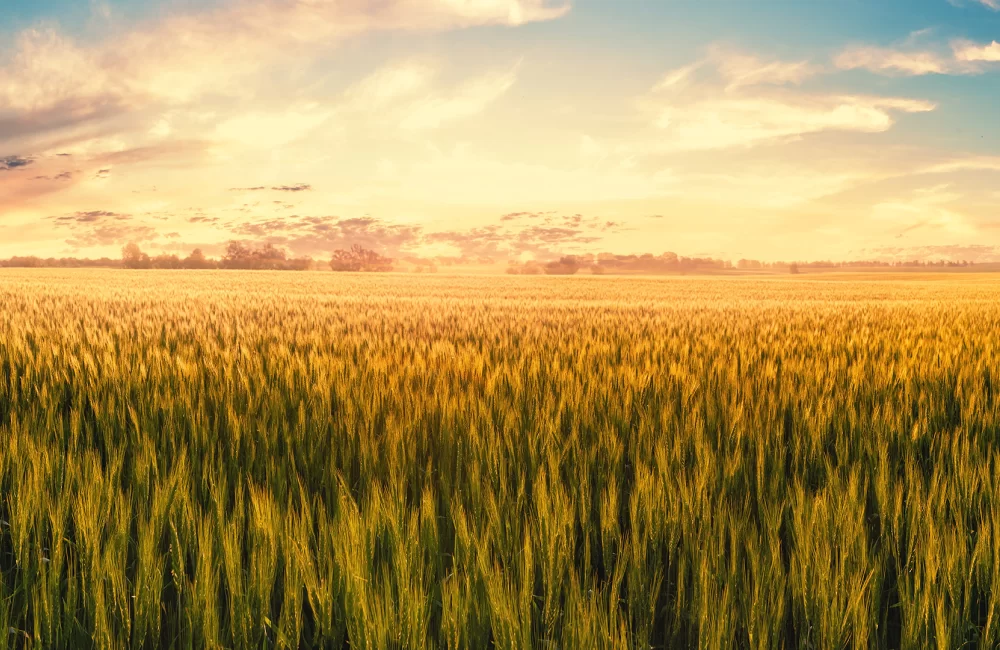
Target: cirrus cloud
{"points": [[734, 100]]}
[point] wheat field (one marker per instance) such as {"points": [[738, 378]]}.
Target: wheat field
{"points": [[246, 460]]}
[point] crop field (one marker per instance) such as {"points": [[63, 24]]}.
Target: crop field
{"points": [[243, 460]]}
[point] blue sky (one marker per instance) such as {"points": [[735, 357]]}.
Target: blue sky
{"points": [[735, 128]]}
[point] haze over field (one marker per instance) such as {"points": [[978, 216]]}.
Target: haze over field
{"points": [[510, 129]]}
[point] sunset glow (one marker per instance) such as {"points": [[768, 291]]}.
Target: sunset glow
{"points": [[502, 129]]}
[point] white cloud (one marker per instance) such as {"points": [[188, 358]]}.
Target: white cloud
{"points": [[731, 99], [965, 58], [709, 117], [962, 164], [740, 69], [927, 209], [469, 99], [389, 84], [973, 52], [892, 61], [404, 95]]}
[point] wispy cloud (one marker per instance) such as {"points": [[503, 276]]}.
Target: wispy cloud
{"points": [[740, 69], [914, 58], [469, 99], [51, 81], [404, 95], [893, 61], [734, 100]]}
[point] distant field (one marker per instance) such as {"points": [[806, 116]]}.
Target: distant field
{"points": [[227, 459]]}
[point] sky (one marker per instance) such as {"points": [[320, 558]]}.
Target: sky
{"points": [[502, 129]]}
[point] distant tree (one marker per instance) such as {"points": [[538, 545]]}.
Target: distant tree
{"points": [[165, 261], [197, 260], [134, 258], [238, 256], [793, 268], [345, 261], [31, 262], [268, 257], [299, 264], [360, 259]]}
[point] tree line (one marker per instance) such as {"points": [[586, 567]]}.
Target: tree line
{"points": [[610, 263], [266, 257], [239, 255]]}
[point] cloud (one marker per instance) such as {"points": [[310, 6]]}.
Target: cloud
{"points": [[731, 70], [720, 123], [469, 99], [927, 207], [738, 100], [891, 61], [741, 69], [11, 163], [974, 52], [402, 95], [542, 234], [964, 58], [299, 187], [91, 217], [51, 81], [962, 164], [64, 176], [184, 152], [389, 84], [538, 241], [103, 228], [319, 236]]}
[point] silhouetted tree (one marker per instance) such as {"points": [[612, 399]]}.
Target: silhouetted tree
{"points": [[237, 256], [134, 258], [197, 260], [360, 259], [165, 261]]}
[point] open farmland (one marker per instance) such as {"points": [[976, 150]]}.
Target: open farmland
{"points": [[227, 459]]}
